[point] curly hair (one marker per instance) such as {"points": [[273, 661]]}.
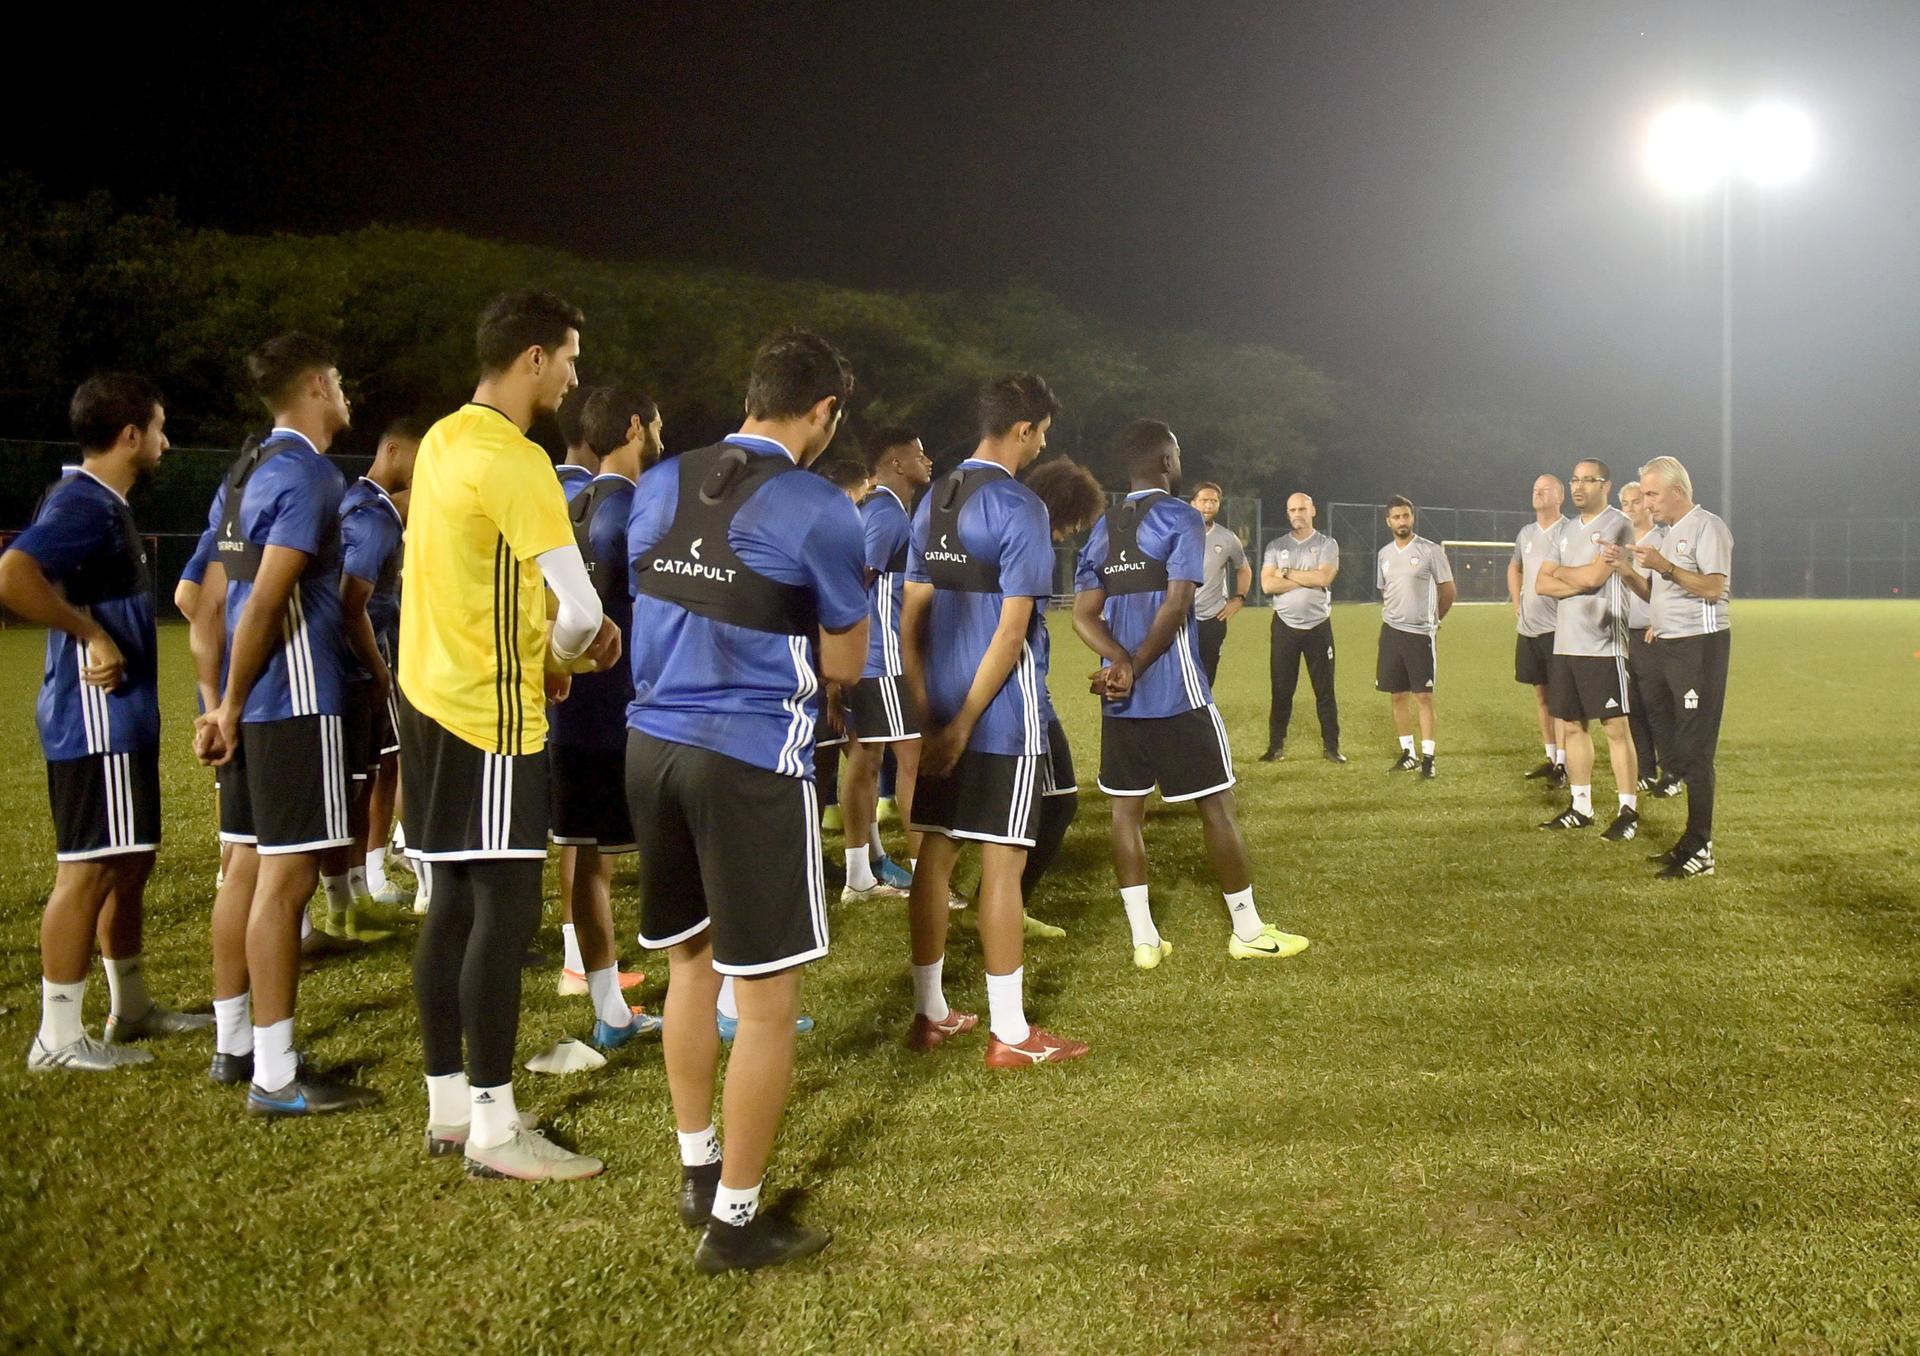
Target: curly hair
{"points": [[1073, 497]]}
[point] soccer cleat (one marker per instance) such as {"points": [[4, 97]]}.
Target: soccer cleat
{"points": [[1558, 781], [320, 943], [762, 1241], [155, 1021], [1406, 762], [1426, 768], [698, 1186], [878, 890], [889, 872], [608, 1038], [1682, 848], [1544, 772], [443, 1140], [927, 1034], [1276, 753], [1271, 944], [1039, 929], [730, 1026], [1699, 862], [1333, 755], [830, 819], [573, 983], [1668, 787], [231, 1068], [85, 1055], [530, 1157], [1625, 827], [360, 928], [1040, 1047], [392, 896], [308, 1096], [886, 809], [1148, 957], [1569, 818], [1647, 783]]}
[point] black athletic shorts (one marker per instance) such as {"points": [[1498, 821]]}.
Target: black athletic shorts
{"points": [[1587, 687], [590, 797], [1060, 778], [729, 849], [1408, 661], [286, 788], [460, 803], [986, 798], [386, 728], [1533, 659], [105, 804], [881, 712], [362, 723], [1186, 756], [823, 735]]}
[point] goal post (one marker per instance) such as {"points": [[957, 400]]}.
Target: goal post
{"points": [[1479, 569]]}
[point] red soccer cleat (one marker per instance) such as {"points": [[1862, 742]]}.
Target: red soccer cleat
{"points": [[1040, 1047], [927, 1034]]}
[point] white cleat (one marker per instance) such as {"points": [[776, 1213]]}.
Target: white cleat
{"points": [[530, 1157], [85, 1055]]}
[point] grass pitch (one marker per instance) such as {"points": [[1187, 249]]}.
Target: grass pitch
{"points": [[1518, 1097]]}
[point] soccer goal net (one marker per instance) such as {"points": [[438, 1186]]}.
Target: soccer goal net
{"points": [[1479, 569]]}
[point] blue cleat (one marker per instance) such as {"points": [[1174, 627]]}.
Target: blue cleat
{"points": [[890, 872], [308, 1096], [730, 1026], [607, 1038]]}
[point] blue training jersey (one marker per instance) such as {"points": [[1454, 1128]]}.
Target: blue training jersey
{"points": [[573, 479], [370, 535], [1003, 524], [749, 694], [84, 541], [195, 571], [888, 529], [293, 500], [594, 715], [1170, 530]]}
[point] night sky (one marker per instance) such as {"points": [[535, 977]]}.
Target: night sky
{"points": [[1444, 196]]}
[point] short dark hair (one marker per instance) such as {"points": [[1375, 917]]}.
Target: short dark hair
{"points": [[277, 366], [884, 440], [407, 426], [1606, 472], [514, 322], [794, 371], [1072, 496], [1401, 501], [572, 433], [1207, 485], [106, 404], [1016, 398], [608, 414], [844, 473], [1141, 444]]}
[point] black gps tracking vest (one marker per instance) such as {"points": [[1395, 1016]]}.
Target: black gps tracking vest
{"points": [[948, 564], [109, 578], [694, 567], [239, 557], [1128, 569]]}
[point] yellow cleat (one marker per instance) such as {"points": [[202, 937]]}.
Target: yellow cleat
{"points": [[830, 819], [1271, 944], [1149, 957]]}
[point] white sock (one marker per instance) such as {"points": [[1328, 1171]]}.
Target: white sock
{"points": [[1630, 801], [1006, 1012], [913, 863], [1139, 917], [736, 1206], [495, 1118], [603, 986], [357, 884], [1406, 743], [306, 924], [1583, 799], [570, 944], [449, 1101], [60, 1006], [1559, 756], [375, 871], [1426, 748], [127, 986], [422, 872], [399, 840], [339, 897], [859, 869], [232, 1026], [699, 1148], [875, 848], [928, 1000], [274, 1063], [1553, 754], [1246, 919], [727, 1006]]}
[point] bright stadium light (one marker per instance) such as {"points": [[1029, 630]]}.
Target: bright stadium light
{"points": [[1773, 144], [1689, 149]]}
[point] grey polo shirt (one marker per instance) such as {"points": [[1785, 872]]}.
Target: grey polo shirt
{"points": [[1639, 612], [1594, 624], [1409, 578], [1225, 558], [1702, 543], [1531, 549], [1302, 609]]}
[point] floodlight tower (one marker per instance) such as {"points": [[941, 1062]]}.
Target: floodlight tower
{"points": [[1692, 149]]}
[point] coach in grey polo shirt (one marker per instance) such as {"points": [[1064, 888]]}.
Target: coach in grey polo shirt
{"points": [[1297, 572], [1228, 577]]}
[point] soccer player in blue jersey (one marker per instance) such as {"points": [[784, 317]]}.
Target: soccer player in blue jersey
{"points": [[750, 589], [274, 722], [880, 713], [582, 463], [587, 733], [979, 574], [81, 571], [1133, 606]]}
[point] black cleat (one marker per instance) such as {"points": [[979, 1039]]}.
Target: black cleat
{"points": [[1699, 862], [1406, 762], [1647, 783], [1333, 755], [763, 1241], [1426, 768], [1569, 818], [697, 1188], [231, 1068], [1545, 772], [1625, 827], [309, 1096], [1667, 787], [1558, 781], [1276, 753]]}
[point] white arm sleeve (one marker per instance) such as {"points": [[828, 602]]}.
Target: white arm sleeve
{"points": [[579, 619]]}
